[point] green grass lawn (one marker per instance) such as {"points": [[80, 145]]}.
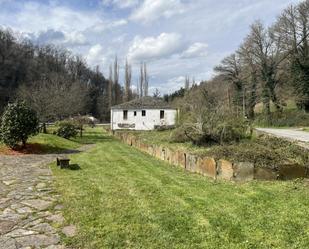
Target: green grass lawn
{"points": [[52, 143], [123, 198], [44, 143], [49, 143]]}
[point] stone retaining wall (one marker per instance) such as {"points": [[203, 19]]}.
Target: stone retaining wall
{"points": [[215, 169]]}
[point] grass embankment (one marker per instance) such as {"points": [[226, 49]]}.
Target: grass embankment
{"points": [[40, 144], [123, 198], [49, 143], [263, 151]]}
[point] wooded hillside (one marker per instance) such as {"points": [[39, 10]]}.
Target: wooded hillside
{"points": [[56, 83]]}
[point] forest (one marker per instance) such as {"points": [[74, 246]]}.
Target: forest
{"points": [[270, 67], [265, 82], [58, 84]]}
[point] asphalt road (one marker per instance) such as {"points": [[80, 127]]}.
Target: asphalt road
{"points": [[291, 134]]}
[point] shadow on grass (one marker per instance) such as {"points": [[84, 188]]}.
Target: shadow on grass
{"points": [[73, 166], [89, 137], [37, 149]]}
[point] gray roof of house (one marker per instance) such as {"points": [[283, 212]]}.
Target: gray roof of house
{"points": [[144, 103]]}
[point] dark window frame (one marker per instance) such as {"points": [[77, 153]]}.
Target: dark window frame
{"points": [[125, 114], [143, 113], [135, 113], [162, 114]]}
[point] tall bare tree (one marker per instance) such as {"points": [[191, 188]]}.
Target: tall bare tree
{"points": [[116, 82], [292, 28], [187, 83], [110, 87], [230, 69], [137, 89], [146, 80], [268, 53], [249, 78], [128, 79], [141, 81]]}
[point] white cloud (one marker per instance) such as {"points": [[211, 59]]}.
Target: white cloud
{"points": [[34, 16], [176, 83], [57, 37], [75, 38], [104, 25], [151, 10], [123, 4], [195, 50], [154, 47], [95, 55]]}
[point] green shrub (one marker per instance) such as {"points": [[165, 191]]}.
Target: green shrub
{"points": [[17, 124], [264, 151], [214, 127], [232, 129], [178, 136], [205, 121], [66, 129]]}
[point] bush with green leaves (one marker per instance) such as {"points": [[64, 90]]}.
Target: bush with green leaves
{"points": [[178, 135], [18, 123], [203, 121], [66, 129]]}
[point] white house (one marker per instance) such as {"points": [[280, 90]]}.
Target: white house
{"points": [[145, 113]]}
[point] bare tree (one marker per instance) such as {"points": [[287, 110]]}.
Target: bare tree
{"points": [[141, 81], [292, 29], [110, 86], [193, 82], [146, 80], [267, 52], [55, 98], [116, 82], [250, 78], [187, 83], [128, 78], [230, 69], [137, 89]]}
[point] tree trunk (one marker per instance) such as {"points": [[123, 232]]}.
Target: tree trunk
{"points": [[24, 143], [266, 103], [44, 128], [252, 96]]}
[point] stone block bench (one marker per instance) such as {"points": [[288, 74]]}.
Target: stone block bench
{"points": [[63, 162]]}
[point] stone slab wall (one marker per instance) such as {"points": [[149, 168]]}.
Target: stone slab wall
{"points": [[209, 167]]}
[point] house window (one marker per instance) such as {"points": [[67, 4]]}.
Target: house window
{"points": [[143, 113], [135, 113], [161, 114], [125, 114]]}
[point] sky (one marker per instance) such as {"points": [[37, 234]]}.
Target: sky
{"points": [[176, 38]]}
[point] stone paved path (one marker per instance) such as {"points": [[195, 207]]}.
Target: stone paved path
{"points": [[30, 214]]}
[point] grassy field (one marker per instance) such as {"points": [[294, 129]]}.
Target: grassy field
{"points": [[122, 198], [43, 143]]}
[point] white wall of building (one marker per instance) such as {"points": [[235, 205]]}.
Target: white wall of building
{"points": [[142, 123]]}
